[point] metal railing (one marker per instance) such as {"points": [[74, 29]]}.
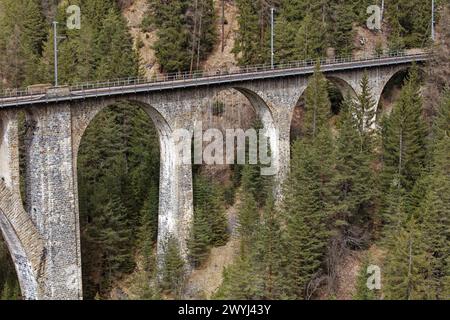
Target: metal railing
{"points": [[9, 95]]}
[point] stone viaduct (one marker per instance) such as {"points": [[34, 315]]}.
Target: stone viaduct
{"points": [[44, 238]]}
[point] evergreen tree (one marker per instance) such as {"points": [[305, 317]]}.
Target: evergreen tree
{"points": [[306, 221], [149, 227], [310, 41], [435, 208], [173, 270], [247, 39], [114, 238], [354, 179], [199, 242], [268, 251], [406, 266], [410, 23], [114, 53], [23, 32], [404, 137], [240, 282], [6, 293], [365, 111], [101, 50], [208, 203], [186, 32], [248, 218], [342, 30], [285, 42], [318, 105]]}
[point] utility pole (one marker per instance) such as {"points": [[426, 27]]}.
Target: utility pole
{"points": [[433, 35], [55, 50], [272, 53], [223, 25], [382, 12]]}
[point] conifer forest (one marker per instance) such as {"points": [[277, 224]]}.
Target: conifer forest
{"points": [[368, 188]]}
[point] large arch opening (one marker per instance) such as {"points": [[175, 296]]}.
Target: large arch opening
{"points": [[10, 249], [9, 283], [227, 109], [118, 186], [338, 90], [219, 188], [391, 91]]}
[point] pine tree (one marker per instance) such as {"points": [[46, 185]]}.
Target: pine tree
{"points": [[248, 35], [114, 51], [409, 21], [404, 137], [114, 238], [173, 270], [124, 166], [23, 32], [209, 201], [318, 105], [438, 67], [240, 281], [186, 32], [406, 266], [285, 42], [306, 221], [396, 42], [310, 42], [342, 31], [6, 293], [354, 178], [199, 241], [268, 250], [365, 111], [248, 219], [435, 207], [149, 227]]}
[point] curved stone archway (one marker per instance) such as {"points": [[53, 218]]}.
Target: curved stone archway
{"points": [[274, 102], [390, 88], [22, 238], [27, 279], [344, 87], [175, 187]]}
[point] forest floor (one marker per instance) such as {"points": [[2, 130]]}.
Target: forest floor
{"points": [[134, 14], [349, 269], [204, 282]]}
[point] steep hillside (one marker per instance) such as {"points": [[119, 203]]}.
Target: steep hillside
{"points": [[143, 41]]}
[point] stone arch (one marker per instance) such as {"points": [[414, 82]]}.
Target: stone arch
{"points": [[275, 101], [266, 115], [24, 269], [345, 88], [22, 239], [168, 203], [389, 88], [259, 105], [169, 195]]}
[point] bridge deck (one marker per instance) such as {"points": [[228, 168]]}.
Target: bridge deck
{"points": [[186, 80]]}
